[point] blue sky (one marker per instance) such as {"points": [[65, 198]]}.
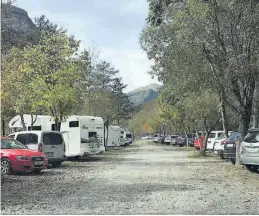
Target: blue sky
{"points": [[112, 27]]}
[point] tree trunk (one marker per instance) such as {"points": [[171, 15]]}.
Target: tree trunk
{"points": [[204, 147], [3, 126], [223, 113], [23, 123], [33, 120]]}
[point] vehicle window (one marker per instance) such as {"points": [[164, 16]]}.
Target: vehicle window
{"points": [[37, 128], [128, 136], [234, 136], [174, 137], [22, 138], [156, 136], [74, 124], [92, 134], [212, 135], [252, 137], [52, 139], [84, 140], [11, 144], [32, 139], [12, 136], [122, 132]]}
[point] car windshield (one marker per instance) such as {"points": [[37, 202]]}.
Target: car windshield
{"points": [[212, 135], [234, 136], [11, 144], [252, 137]]}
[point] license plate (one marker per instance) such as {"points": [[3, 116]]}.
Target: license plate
{"points": [[38, 162], [252, 149], [230, 145], [49, 154]]}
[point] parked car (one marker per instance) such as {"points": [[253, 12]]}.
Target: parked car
{"points": [[173, 139], [229, 151], [156, 138], [212, 138], [51, 143], [220, 144], [185, 139], [16, 157], [167, 139], [249, 150], [162, 139]]}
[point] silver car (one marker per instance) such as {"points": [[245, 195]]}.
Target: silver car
{"points": [[249, 150]]}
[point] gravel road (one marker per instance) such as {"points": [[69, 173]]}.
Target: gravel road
{"points": [[143, 178]]}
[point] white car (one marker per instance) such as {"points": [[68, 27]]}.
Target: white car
{"points": [[249, 150], [173, 139], [212, 138], [167, 139], [220, 143], [156, 138]]}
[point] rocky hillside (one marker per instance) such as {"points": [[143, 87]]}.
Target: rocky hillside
{"points": [[17, 27], [144, 94]]}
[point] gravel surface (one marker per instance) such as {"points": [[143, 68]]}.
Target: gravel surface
{"points": [[143, 178]]}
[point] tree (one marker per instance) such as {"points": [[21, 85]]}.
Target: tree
{"points": [[124, 106], [53, 75]]}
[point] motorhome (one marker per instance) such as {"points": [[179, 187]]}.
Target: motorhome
{"points": [[123, 140], [31, 122], [113, 136], [83, 135]]}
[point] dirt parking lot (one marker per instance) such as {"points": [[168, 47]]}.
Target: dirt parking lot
{"points": [[143, 178]]}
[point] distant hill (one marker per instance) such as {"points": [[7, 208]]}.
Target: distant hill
{"points": [[144, 94]]}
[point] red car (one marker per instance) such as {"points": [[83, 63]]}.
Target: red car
{"points": [[15, 157]]}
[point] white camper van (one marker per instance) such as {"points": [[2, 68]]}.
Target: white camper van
{"points": [[123, 140], [83, 135], [113, 136], [40, 122]]}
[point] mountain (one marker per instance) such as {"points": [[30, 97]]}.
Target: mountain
{"points": [[144, 94], [17, 27]]}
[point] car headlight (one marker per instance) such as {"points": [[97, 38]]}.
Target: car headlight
{"points": [[23, 158]]}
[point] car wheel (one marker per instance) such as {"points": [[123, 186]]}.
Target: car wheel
{"points": [[5, 167], [181, 145], [57, 164], [233, 161], [252, 168]]}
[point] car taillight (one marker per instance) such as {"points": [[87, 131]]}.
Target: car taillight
{"points": [[223, 142], [40, 147]]}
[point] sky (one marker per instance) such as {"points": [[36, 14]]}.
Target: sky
{"points": [[111, 27]]}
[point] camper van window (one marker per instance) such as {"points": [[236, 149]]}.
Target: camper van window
{"points": [[37, 128], [21, 138], [32, 139], [92, 134], [52, 139], [74, 124]]}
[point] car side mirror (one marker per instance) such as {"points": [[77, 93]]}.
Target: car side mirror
{"points": [[26, 147]]}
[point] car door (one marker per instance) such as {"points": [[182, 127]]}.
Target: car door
{"points": [[53, 145]]}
